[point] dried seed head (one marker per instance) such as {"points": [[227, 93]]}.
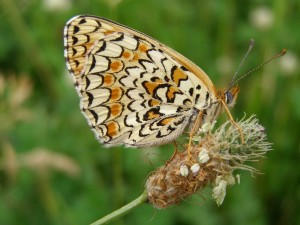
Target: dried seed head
{"points": [[219, 153]]}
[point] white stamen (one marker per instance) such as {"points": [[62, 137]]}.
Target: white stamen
{"points": [[203, 156], [238, 178], [195, 168], [184, 171], [207, 127], [219, 191]]}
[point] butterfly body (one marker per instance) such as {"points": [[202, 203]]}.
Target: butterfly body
{"points": [[133, 89]]}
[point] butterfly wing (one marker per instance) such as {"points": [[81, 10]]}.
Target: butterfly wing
{"points": [[133, 89]]}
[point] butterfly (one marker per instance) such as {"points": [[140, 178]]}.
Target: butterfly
{"points": [[135, 90]]}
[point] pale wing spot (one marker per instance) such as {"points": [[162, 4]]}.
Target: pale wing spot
{"points": [[106, 26], [157, 57], [136, 105], [85, 21], [161, 94], [82, 29], [182, 100], [77, 66], [145, 130], [77, 51], [165, 131], [131, 120], [128, 81], [91, 81], [186, 86], [107, 49], [169, 109], [79, 40], [99, 131], [149, 66], [134, 71], [171, 59], [128, 42], [167, 65], [157, 73], [135, 94], [90, 115], [95, 97], [97, 64], [97, 115], [194, 79]]}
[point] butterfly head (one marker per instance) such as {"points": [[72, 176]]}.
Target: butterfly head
{"points": [[230, 96]]}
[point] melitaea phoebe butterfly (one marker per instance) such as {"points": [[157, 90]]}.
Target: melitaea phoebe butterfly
{"points": [[135, 90]]}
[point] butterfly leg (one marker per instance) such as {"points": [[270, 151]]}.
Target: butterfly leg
{"points": [[174, 154], [234, 123], [194, 130]]}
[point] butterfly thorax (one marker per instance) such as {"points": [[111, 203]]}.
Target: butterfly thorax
{"points": [[214, 104], [213, 110]]}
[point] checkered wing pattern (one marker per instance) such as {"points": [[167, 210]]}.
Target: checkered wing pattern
{"points": [[133, 89]]}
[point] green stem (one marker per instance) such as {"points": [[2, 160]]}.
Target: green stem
{"points": [[122, 211]]}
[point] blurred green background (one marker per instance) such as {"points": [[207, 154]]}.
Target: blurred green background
{"points": [[53, 171]]}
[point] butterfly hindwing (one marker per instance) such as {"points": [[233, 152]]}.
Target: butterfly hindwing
{"points": [[133, 90]]}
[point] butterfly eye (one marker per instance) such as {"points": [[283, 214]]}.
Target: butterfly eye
{"points": [[228, 98], [231, 96]]}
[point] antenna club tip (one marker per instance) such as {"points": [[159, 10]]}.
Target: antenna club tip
{"points": [[283, 51], [251, 42]]}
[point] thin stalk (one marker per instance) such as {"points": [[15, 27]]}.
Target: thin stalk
{"points": [[122, 211]]}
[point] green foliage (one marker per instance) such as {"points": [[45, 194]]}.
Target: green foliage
{"points": [[53, 171]]}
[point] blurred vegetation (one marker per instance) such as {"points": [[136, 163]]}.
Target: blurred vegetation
{"points": [[53, 171]]}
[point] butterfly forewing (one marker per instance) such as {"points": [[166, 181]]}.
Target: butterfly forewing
{"points": [[133, 90]]}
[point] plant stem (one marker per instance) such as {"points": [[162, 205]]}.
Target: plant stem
{"points": [[122, 211]]}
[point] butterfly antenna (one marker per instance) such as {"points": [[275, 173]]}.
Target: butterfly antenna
{"points": [[241, 63], [281, 53]]}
